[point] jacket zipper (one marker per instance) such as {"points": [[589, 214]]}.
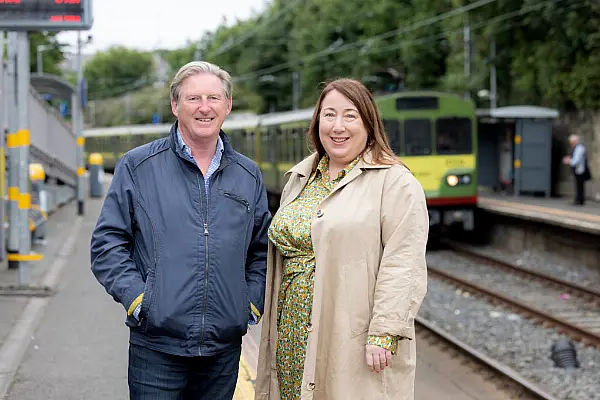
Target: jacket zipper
{"points": [[238, 199], [205, 222]]}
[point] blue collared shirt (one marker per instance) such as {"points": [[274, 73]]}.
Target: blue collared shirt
{"points": [[578, 159], [214, 163]]}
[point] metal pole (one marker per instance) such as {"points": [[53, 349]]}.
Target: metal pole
{"points": [[2, 150], [493, 88], [296, 90], [40, 60], [23, 79], [467, 51], [77, 117], [12, 153]]}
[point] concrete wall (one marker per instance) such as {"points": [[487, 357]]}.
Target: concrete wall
{"points": [[586, 124], [520, 236]]}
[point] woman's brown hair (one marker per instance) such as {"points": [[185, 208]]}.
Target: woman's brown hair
{"points": [[361, 97]]}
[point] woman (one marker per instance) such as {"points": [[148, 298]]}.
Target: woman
{"points": [[346, 272]]}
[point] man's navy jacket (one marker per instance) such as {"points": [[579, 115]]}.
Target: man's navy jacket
{"points": [[200, 266]]}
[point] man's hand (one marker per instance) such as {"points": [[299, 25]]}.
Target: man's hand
{"points": [[377, 358], [566, 160]]}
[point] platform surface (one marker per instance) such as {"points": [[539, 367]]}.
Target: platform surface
{"points": [[553, 211]]}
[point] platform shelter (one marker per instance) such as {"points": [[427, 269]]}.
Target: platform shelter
{"points": [[515, 149]]}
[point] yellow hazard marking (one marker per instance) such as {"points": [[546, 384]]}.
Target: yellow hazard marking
{"points": [[36, 172], [2, 172], [517, 139], [80, 141], [24, 137], [13, 193], [244, 389], [17, 139], [24, 201], [517, 163], [12, 140], [25, 257], [95, 159]]}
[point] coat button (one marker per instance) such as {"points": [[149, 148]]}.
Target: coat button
{"points": [[309, 327], [311, 386], [319, 213]]}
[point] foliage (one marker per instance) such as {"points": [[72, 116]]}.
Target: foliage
{"points": [[117, 71], [547, 51], [52, 56]]}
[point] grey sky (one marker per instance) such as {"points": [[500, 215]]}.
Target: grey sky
{"points": [[151, 24]]}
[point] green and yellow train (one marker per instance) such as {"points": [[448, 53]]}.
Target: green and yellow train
{"points": [[434, 133]]}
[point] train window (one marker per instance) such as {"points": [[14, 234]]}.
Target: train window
{"points": [[417, 137], [454, 136], [417, 103], [392, 130]]}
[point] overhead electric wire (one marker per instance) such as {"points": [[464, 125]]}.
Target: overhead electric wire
{"points": [[253, 31], [417, 25], [395, 32]]}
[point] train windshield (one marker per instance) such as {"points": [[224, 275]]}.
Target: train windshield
{"points": [[392, 130], [417, 137], [454, 136]]}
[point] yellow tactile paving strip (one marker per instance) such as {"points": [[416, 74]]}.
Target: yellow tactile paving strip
{"points": [[247, 375], [245, 383]]}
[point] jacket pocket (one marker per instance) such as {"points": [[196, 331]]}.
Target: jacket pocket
{"points": [[238, 198], [357, 297]]}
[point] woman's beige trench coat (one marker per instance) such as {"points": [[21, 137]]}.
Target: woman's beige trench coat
{"points": [[369, 237]]}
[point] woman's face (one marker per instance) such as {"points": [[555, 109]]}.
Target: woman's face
{"points": [[341, 130]]}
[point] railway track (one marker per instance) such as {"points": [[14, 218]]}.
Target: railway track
{"points": [[567, 307], [503, 376]]}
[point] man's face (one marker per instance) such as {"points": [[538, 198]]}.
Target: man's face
{"points": [[202, 106]]}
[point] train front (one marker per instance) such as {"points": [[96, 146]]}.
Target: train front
{"points": [[435, 134]]}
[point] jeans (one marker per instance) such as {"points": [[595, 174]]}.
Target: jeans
{"points": [[155, 375]]}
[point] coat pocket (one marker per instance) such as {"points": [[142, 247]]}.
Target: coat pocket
{"points": [[357, 297]]}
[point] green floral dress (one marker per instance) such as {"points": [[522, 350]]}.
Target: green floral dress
{"points": [[290, 232]]}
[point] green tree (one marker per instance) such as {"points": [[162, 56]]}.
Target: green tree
{"points": [[117, 71], [52, 56]]}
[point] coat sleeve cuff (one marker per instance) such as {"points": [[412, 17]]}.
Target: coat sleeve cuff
{"points": [[400, 329], [255, 313], [385, 342], [135, 304], [134, 294]]}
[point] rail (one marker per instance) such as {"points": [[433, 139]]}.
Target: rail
{"points": [[500, 370], [570, 319]]}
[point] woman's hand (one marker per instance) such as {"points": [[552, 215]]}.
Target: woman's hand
{"points": [[377, 358]]}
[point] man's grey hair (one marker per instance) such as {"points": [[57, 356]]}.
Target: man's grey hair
{"points": [[200, 67], [574, 138]]}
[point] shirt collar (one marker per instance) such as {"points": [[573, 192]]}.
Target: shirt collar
{"points": [[188, 151], [323, 168]]}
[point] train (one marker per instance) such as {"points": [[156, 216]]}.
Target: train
{"points": [[433, 133]]}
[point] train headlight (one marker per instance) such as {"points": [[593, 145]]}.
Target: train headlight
{"points": [[452, 180], [465, 179]]}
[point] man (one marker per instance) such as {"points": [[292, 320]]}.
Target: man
{"points": [[578, 162], [181, 243]]}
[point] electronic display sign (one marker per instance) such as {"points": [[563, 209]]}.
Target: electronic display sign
{"points": [[45, 15]]}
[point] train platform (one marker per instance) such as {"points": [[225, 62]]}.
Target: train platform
{"points": [[64, 338], [552, 211]]}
